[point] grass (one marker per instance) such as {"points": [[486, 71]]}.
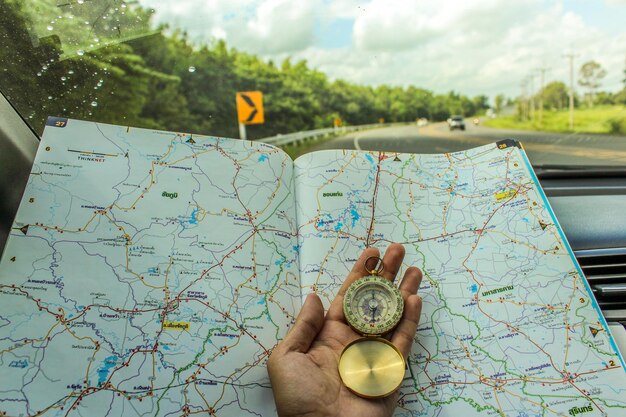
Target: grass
{"points": [[599, 119]]}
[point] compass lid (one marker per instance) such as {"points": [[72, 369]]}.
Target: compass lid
{"points": [[371, 367]]}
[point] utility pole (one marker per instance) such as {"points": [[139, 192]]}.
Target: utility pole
{"points": [[523, 101], [542, 71], [571, 57], [531, 77]]}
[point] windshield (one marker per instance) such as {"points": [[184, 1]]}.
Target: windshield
{"points": [[549, 73]]}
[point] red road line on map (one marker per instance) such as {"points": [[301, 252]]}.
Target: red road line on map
{"points": [[376, 182]]}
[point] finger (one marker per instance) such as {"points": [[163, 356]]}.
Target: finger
{"points": [[360, 268], [411, 282], [392, 261], [404, 334], [335, 311], [308, 324]]}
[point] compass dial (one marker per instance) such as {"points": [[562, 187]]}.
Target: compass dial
{"points": [[373, 305]]}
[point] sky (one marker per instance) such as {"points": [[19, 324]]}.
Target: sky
{"points": [[472, 47]]}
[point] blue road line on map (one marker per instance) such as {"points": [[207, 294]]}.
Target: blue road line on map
{"points": [[572, 256]]}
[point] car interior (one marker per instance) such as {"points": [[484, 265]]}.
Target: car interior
{"points": [[281, 122]]}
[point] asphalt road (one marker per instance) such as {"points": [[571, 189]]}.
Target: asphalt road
{"points": [[543, 148]]}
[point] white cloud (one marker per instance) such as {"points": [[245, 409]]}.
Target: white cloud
{"points": [[486, 46], [475, 47], [259, 27], [277, 26], [408, 24]]}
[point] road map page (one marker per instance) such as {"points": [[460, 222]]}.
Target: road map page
{"points": [[147, 274], [508, 326]]}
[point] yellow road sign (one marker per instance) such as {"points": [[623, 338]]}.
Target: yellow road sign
{"points": [[250, 107]]}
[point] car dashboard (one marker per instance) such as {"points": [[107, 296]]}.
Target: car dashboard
{"points": [[590, 206]]}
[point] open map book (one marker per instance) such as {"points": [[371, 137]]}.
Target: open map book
{"points": [[150, 274]]}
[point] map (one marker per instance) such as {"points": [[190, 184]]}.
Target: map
{"points": [[147, 274], [151, 273], [508, 327]]}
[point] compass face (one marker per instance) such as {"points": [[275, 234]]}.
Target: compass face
{"points": [[373, 305]]}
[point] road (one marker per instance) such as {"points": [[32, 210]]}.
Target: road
{"points": [[543, 148]]}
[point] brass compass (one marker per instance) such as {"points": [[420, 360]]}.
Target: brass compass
{"points": [[371, 366]]}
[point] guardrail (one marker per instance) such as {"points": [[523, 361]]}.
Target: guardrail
{"points": [[300, 137]]}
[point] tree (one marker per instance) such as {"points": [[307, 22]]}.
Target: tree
{"points": [[555, 96], [499, 101], [481, 103], [590, 74]]}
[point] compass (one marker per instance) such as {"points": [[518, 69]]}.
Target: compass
{"points": [[371, 366], [373, 305]]}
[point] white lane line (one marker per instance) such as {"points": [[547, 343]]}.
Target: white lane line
{"points": [[356, 143]]}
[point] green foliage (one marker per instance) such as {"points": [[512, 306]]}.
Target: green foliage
{"points": [[555, 96], [620, 97], [600, 119], [104, 62], [499, 101], [617, 125], [590, 75]]}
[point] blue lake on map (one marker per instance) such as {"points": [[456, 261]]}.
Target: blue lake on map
{"points": [[103, 371], [355, 216], [188, 220]]}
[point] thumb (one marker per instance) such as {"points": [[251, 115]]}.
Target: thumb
{"points": [[308, 324]]}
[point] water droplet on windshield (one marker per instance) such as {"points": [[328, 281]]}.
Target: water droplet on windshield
{"points": [[192, 69], [94, 104]]}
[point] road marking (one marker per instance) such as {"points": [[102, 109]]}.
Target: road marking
{"points": [[356, 142]]}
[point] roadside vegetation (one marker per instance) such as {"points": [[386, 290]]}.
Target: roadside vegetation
{"points": [[550, 108], [599, 119]]}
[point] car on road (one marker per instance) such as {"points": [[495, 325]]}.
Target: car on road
{"points": [[456, 122]]}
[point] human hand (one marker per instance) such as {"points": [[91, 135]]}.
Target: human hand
{"points": [[303, 367]]}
